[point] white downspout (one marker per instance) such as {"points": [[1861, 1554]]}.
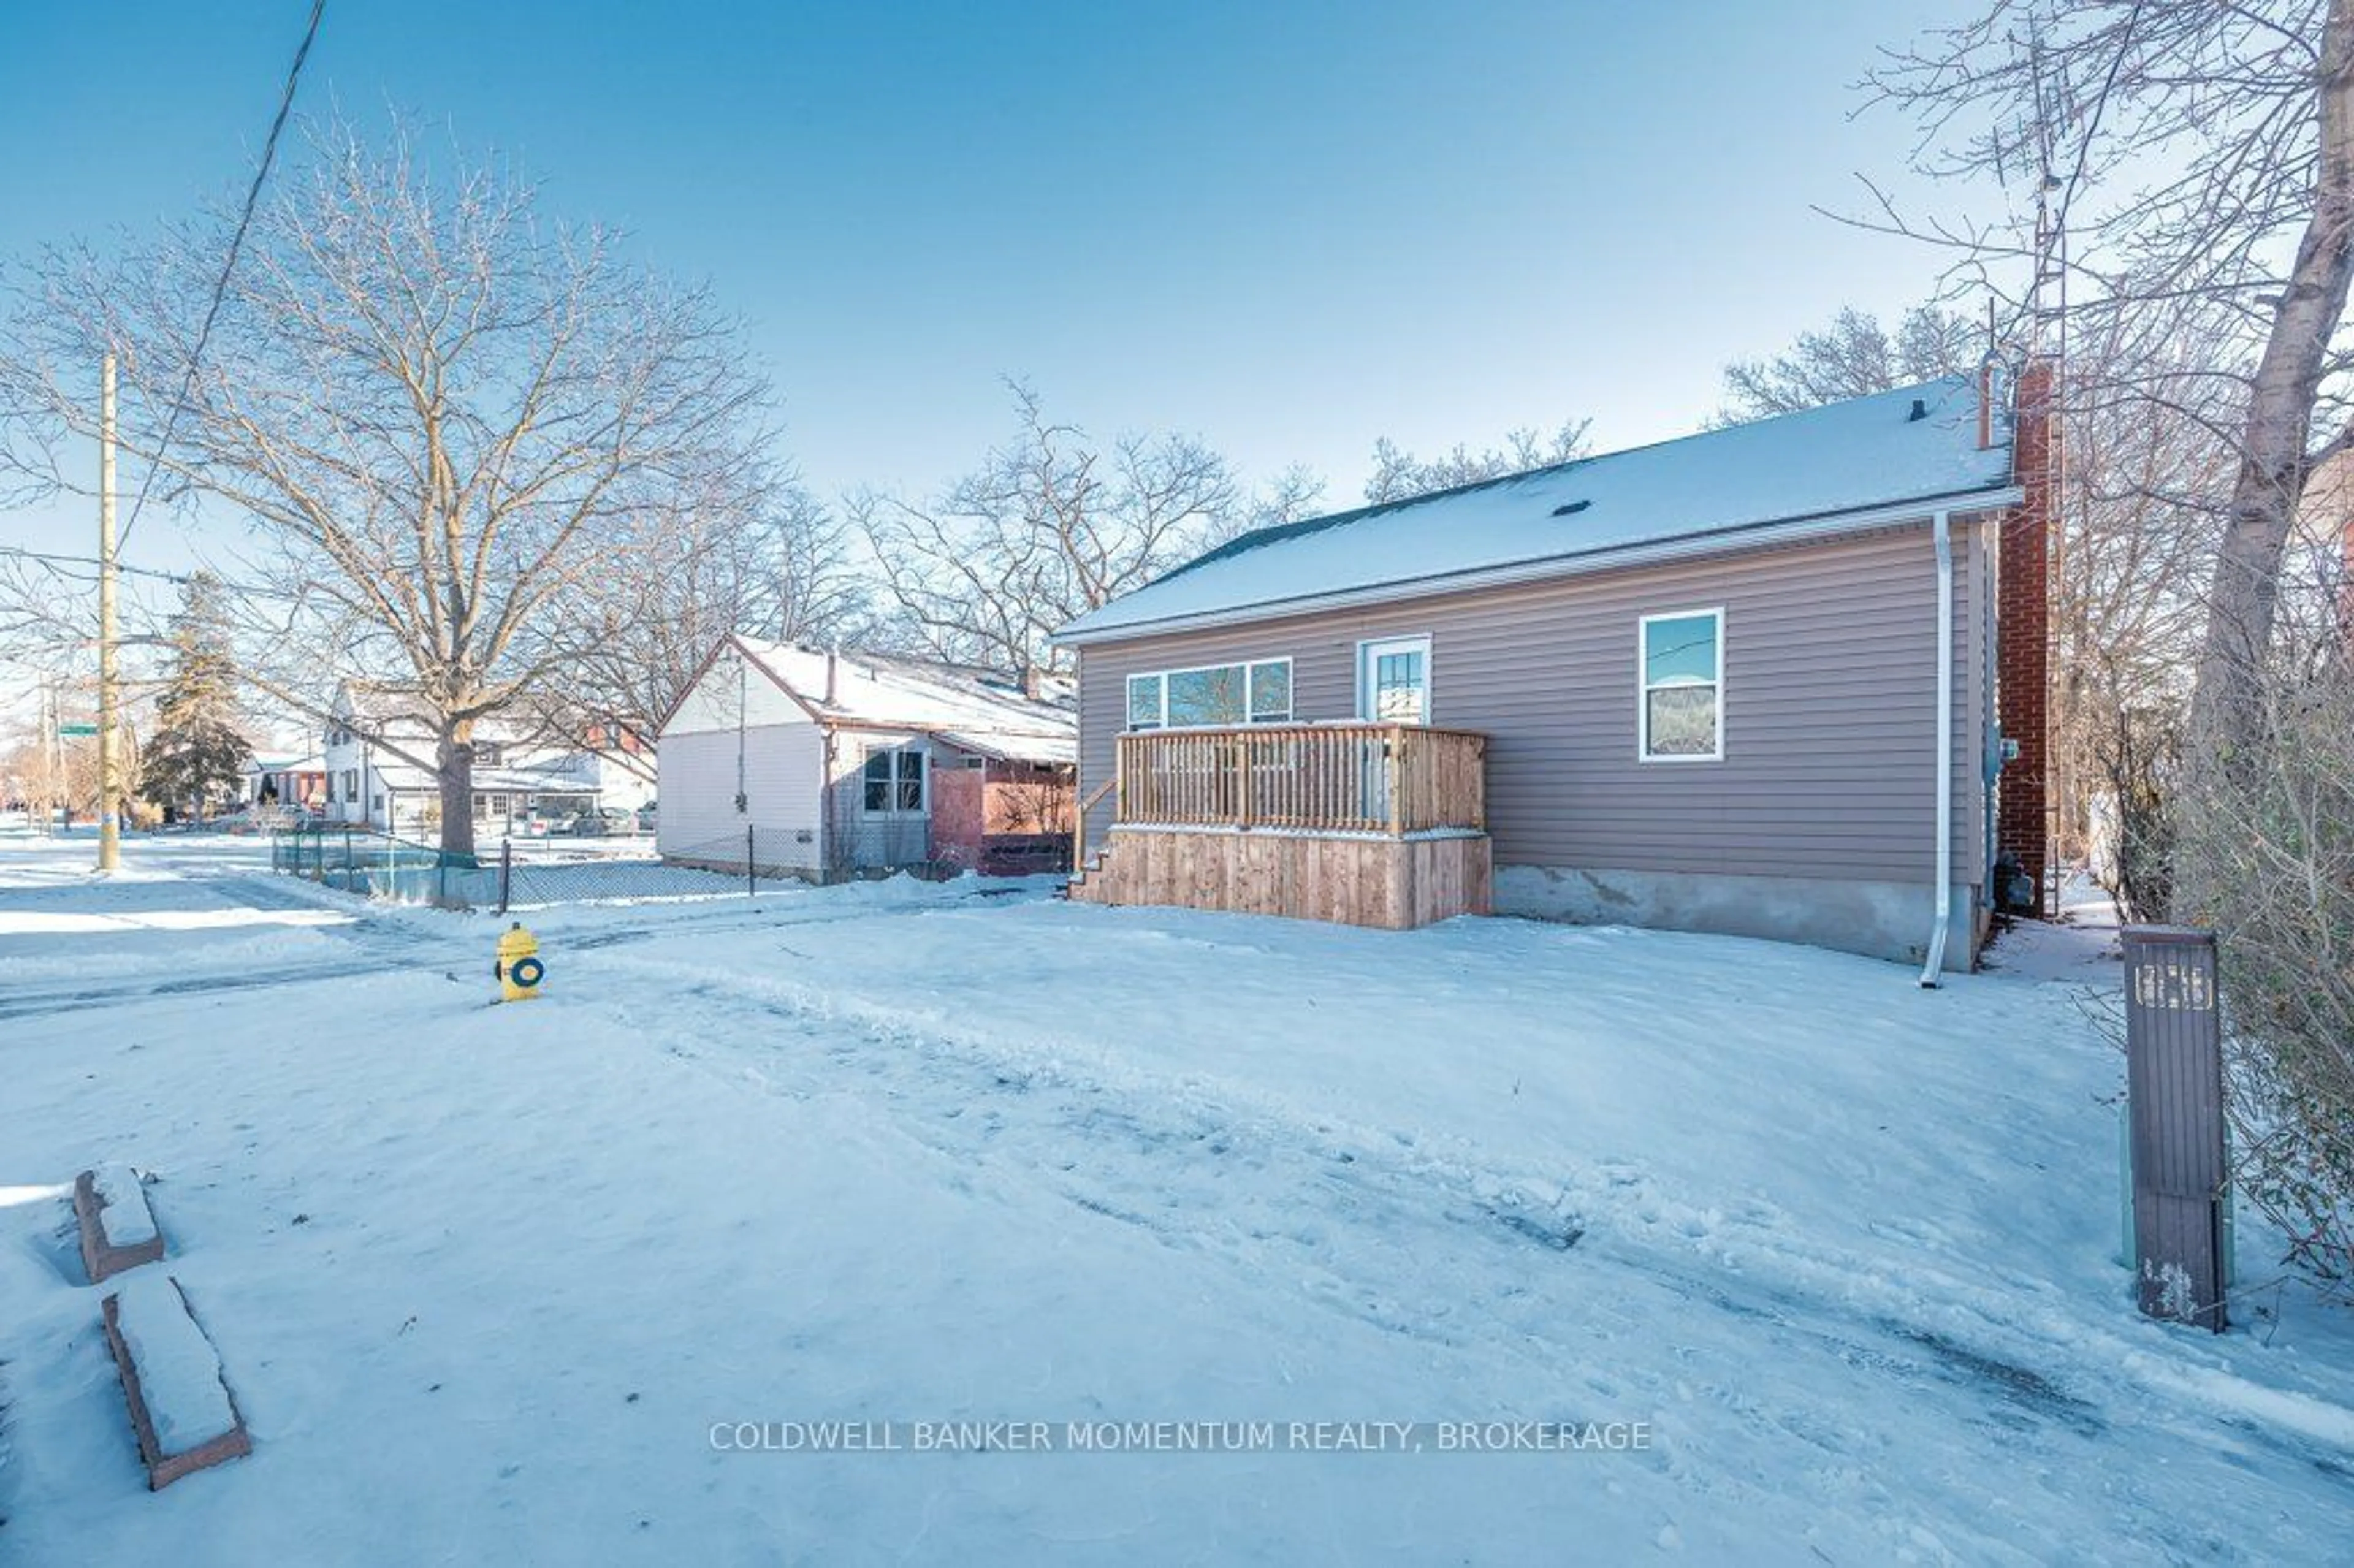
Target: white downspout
{"points": [[1933, 972]]}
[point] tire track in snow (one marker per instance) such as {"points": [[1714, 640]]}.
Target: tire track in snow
{"points": [[1369, 1211]]}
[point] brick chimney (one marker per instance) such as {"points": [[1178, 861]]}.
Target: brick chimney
{"points": [[2023, 622]]}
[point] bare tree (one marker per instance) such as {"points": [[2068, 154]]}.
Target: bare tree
{"points": [[1049, 527], [437, 409], [1292, 494], [2201, 157], [1851, 356], [770, 563], [1399, 475]]}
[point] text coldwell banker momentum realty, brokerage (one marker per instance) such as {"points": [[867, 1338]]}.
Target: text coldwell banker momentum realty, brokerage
{"points": [[1182, 1436]]}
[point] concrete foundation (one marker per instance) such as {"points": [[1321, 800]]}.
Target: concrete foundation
{"points": [[1879, 919]]}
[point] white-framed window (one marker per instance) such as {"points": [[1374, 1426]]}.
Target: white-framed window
{"points": [[1679, 701], [893, 781], [1256, 691], [351, 783]]}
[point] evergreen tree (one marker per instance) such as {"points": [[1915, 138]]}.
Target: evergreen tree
{"points": [[197, 756]]}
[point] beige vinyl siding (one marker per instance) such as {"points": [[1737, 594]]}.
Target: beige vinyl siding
{"points": [[1830, 692]]}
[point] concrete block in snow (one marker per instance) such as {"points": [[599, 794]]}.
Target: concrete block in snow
{"points": [[118, 1230], [181, 1409]]}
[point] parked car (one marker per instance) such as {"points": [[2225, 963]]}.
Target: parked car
{"points": [[646, 819], [600, 824]]}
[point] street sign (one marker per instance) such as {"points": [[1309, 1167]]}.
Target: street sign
{"points": [[76, 730]]}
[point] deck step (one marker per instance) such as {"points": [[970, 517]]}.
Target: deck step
{"points": [[182, 1412], [118, 1229]]}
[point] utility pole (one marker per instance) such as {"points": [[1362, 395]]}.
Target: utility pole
{"points": [[109, 786]]}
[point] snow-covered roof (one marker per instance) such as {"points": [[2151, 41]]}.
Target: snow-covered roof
{"points": [[968, 707], [1855, 458], [402, 776], [1061, 748], [381, 704], [397, 712]]}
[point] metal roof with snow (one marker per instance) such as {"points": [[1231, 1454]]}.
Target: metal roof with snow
{"points": [[1853, 464]]}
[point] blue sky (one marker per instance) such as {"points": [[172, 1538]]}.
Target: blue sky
{"points": [[1289, 229]]}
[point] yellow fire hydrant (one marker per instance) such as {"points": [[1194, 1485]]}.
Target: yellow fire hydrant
{"points": [[518, 967]]}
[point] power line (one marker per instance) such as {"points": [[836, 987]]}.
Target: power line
{"points": [[228, 265], [85, 568], [51, 558]]}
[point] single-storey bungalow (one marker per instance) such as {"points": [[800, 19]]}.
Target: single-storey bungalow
{"points": [[1783, 679], [826, 764], [291, 786]]}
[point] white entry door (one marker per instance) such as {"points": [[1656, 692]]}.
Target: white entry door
{"points": [[1394, 681], [1393, 687]]}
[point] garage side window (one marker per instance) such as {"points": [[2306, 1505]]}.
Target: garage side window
{"points": [[894, 780], [1680, 706]]}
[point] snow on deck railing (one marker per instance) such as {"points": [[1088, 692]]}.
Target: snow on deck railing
{"points": [[1390, 779]]}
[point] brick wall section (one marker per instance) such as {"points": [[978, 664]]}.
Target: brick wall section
{"points": [[2023, 620]]}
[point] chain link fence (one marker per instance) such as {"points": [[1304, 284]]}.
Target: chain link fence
{"points": [[532, 873], [357, 859]]}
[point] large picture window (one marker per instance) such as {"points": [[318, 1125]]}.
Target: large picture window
{"points": [[894, 780], [1681, 709], [1256, 693]]}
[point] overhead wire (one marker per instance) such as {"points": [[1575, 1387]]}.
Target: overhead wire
{"points": [[228, 266]]}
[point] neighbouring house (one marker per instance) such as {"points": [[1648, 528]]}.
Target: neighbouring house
{"points": [[295, 786], [1784, 679], [826, 764], [379, 748]]}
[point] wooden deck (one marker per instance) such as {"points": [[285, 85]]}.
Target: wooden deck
{"points": [[1366, 824]]}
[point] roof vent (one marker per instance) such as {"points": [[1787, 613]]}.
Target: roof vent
{"points": [[1567, 507], [1920, 410]]}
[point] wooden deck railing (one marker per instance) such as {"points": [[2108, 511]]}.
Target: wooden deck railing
{"points": [[1333, 778]]}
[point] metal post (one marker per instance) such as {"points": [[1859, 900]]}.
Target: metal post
{"points": [[2174, 1077], [506, 872], [751, 876], [109, 784]]}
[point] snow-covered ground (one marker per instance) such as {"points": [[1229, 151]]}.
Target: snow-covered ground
{"points": [[1824, 1263]]}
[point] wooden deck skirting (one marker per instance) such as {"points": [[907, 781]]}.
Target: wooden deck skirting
{"points": [[1365, 824]]}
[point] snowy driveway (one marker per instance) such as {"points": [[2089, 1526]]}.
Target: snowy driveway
{"points": [[487, 1280]]}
